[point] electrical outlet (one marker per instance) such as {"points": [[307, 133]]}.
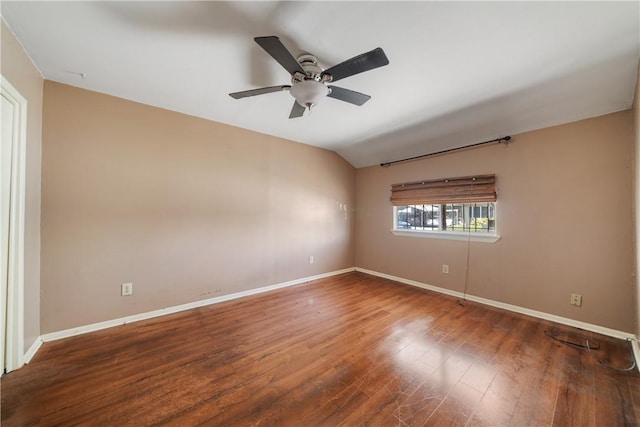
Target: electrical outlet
{"points": [[126, 289], [445, 268], [311, 259], [576, 300]]}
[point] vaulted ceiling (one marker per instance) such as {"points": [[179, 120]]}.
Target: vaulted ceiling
{"points": [[459, 72]]}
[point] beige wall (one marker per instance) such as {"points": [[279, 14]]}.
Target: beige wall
{"points": [[18, 69], [564, 214], [186, 209]]}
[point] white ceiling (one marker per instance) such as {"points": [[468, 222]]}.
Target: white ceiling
{"points": [[459, 72]]}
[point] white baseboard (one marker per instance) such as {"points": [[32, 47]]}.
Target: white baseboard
{"points": [[636, 352], [517, 309], [32, 350], [174, 309]]}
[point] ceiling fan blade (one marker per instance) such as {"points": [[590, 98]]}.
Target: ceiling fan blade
{"points": [[276, 49], [260, 91], [296, 111], [347, 95], [358, 64]]}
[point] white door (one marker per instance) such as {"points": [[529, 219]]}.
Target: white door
{"points": [[6, 141], [13, 111]]}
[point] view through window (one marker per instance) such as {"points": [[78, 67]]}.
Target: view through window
{"points": [[462, 217]]}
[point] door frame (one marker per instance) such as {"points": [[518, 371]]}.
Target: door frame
{"points": [[15, 287]]}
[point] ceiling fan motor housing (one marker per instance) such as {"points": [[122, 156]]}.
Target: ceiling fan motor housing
{"points": [[310, 65]]}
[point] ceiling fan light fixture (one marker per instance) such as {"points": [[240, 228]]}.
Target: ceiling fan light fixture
{"points": [[308, 93]]}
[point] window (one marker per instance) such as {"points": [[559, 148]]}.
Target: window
{"points": [[460, 217], [453, 208]]}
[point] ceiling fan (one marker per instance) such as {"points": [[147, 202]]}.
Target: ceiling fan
{"points": [[310, 83]]}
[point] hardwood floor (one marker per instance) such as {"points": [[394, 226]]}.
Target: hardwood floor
{"points": [[349, 350]]}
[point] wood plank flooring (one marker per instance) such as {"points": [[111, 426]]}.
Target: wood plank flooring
{"points": [[351, 350]]}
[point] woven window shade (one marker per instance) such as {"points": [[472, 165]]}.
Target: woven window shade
{"points": [[464, 189]]}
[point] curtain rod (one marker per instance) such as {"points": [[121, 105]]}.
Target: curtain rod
{"points": [[504, 138]]}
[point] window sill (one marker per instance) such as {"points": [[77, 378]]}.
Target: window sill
{"points": [[448, 235]]}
